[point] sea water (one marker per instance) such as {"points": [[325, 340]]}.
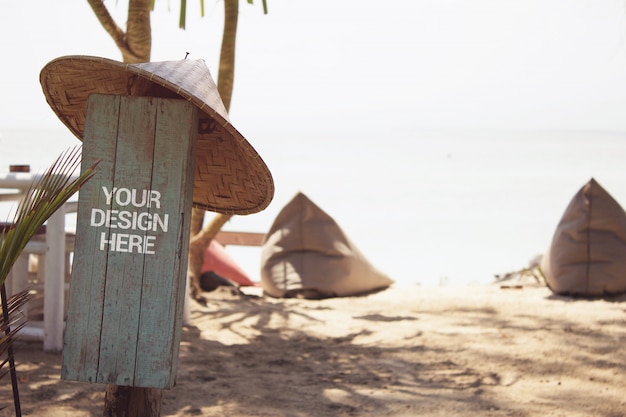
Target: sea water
{"points": [[438, 207]]}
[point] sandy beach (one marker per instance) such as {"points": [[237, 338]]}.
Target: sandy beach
{"points": [[405, 351]]}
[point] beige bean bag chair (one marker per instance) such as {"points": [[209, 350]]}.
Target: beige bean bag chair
{"points": [[587, 256], [306, 254]]}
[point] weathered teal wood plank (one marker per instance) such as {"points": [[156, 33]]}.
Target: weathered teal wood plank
{"points": [[133, 171], [165, 272], [127, 294], [187, 189], [82, 334]]}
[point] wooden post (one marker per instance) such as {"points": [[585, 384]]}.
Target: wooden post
{"points": [[129, 272], [132, 401], [54, 284]]}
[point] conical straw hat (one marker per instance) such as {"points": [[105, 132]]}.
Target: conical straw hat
{"points": [[230, 176]]}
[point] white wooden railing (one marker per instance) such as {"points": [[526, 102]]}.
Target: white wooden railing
{"points": [[53, 256]]}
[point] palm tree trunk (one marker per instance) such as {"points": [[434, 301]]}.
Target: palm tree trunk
{"points": [[135, 44], [138, 32], [226, 75]]}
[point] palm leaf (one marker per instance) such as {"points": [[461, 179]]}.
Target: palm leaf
{"points": [[11, 327], [11, 322], [45, 196]]}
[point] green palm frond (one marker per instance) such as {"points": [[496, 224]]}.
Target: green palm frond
{"points": [[9, 329], [264, 5], [11, 323], [45, 196]]}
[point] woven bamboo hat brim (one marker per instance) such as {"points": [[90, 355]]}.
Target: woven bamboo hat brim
{"points": [[230, 176]]}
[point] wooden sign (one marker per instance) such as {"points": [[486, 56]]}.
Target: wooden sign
{"points": [[130, 262]]}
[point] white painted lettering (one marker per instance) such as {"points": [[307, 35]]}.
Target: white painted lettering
{"points": [[129, 220], [134, 242], [148, 245], [143, 221], [134, 201], [111, 217], [125, 219], [108, 194], [158, 221], [104, 241], [97, 217], [155, 196], [122, 242], [123, 197]]}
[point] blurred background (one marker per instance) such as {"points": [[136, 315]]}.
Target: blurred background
{"points": [[445, 137]]}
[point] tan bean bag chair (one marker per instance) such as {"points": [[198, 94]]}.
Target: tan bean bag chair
{"points": [[587, 256], [306, 254]]}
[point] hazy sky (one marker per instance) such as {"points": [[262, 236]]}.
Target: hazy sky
{"points": [[539, 64], [337, 96]]}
